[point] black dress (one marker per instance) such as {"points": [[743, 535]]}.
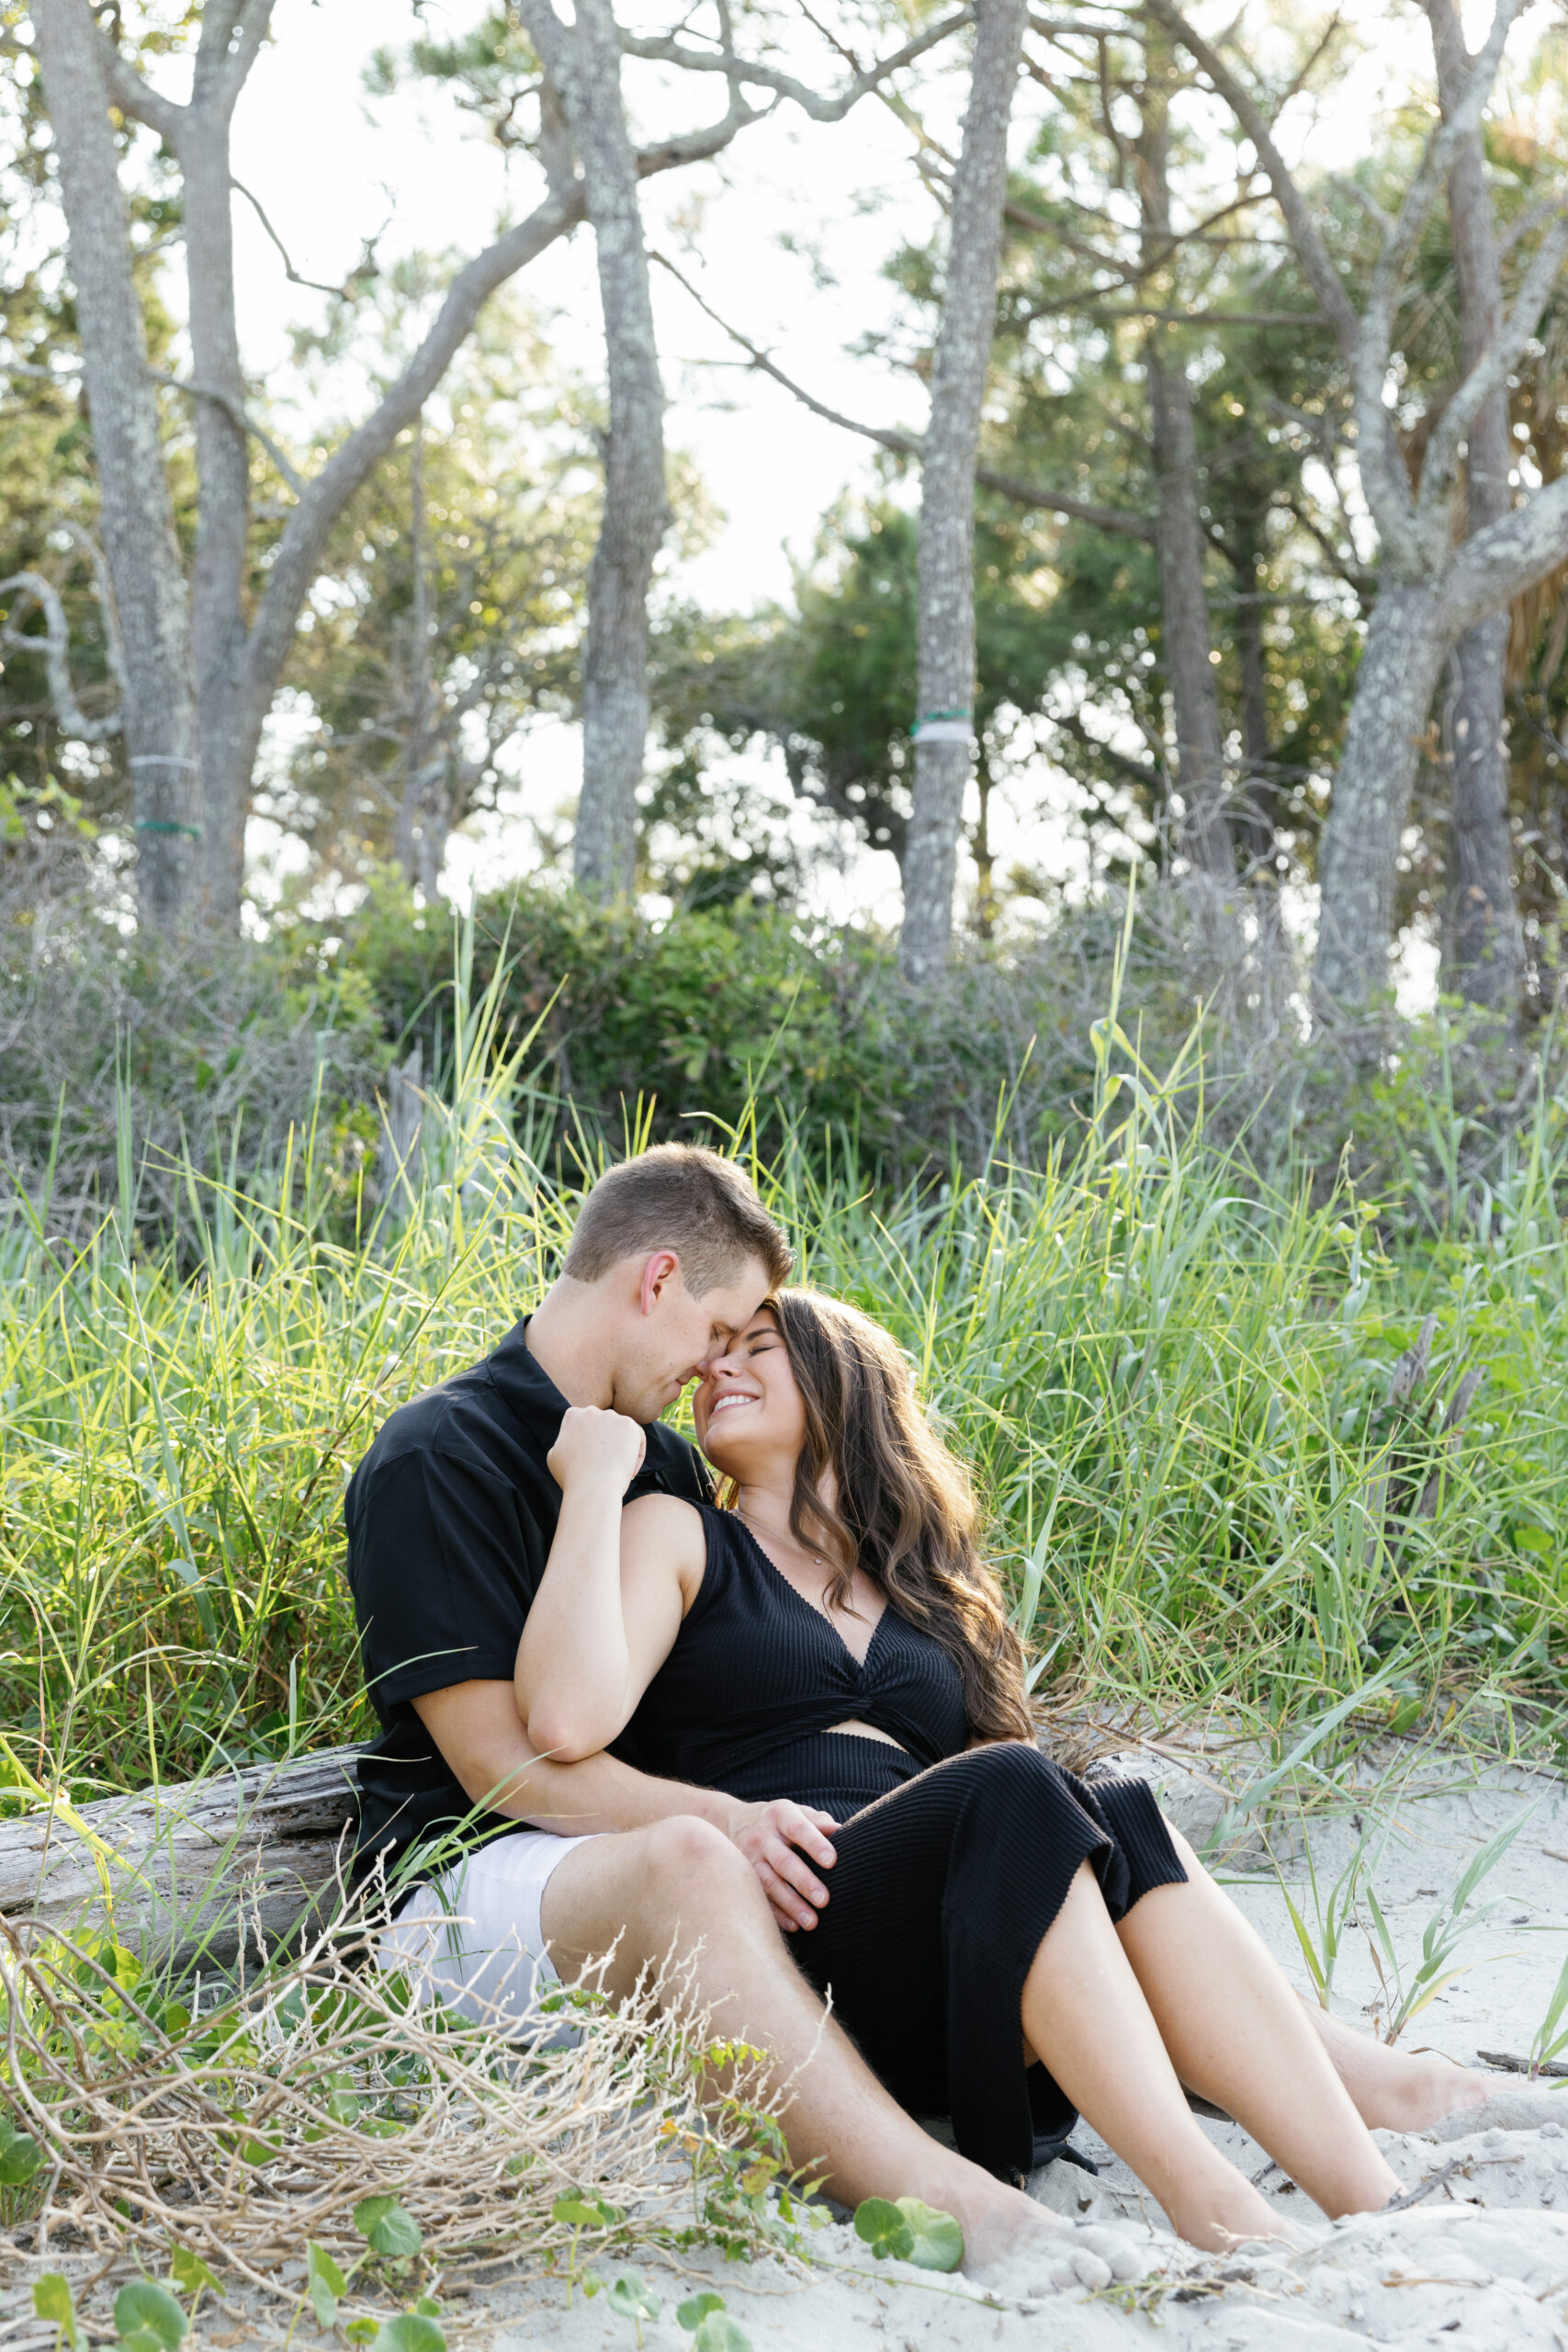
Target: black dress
{"points": [[947, 1877]]}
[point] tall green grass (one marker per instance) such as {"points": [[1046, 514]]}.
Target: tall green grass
{"points": [[1173, 1386]]}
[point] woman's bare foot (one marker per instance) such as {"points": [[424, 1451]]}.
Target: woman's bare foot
{"points": [[1221, 2210]]}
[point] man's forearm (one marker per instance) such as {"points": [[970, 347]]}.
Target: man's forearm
{"points": [[601, 1792]]}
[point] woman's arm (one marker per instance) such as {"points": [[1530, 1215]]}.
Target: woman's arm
{"points": [[614, 1593]]}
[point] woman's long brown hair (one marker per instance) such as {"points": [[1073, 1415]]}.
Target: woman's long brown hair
{"points": [[903, 1508]]}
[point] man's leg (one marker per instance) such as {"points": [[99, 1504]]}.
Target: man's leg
{"points": [[680, 1885]]}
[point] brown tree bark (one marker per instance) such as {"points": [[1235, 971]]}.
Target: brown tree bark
{"points": [[944, 721], [1484, 946], [583, 63], [137, 521]]}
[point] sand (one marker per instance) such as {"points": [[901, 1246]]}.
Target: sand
{"points": [[1481, 2262]]}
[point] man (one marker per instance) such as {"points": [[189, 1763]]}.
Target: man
{"points": [[450, 1517]]}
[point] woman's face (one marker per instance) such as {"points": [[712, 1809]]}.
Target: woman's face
{"points": [[748, 1408]]}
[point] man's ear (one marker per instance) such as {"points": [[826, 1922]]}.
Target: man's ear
{"points": [[658, 1273]]}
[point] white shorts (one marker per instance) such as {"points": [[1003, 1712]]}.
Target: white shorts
{"points": [[473, 1934]]}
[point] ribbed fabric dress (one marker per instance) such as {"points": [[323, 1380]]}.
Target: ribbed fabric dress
{"points": [[951, 1864]]}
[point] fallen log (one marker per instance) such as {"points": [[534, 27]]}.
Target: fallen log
{"points": [[185, 1876]]}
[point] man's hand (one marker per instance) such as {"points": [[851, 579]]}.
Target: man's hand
{"points": [[776, 1839], [597, 1449]]}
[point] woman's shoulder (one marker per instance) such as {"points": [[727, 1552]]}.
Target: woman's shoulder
{"points": [[666, 1524]]}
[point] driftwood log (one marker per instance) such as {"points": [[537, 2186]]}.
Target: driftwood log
{"points": [[185, 1874]]}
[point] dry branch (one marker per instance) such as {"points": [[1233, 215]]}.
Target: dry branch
{"points": [[243, 2133]]}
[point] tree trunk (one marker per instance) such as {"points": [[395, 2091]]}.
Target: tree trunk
{"points": [[222, 454], [585, 66], [1260, 800], [1359, 857], [185, 1866], [944, 721], [1181, 542], [1485, 946], [137, 519]]}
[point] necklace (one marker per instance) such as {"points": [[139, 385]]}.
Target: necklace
{"points": [[826, 1566], [747, 1519]]}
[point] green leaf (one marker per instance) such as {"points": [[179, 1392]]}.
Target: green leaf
{"points": [[427, 2307], [883, 2228], [631, 2300], [409, 2332], [146, 2308], [719, 2333], [324, 2283], [192, 2276], [574, 2213], [696, 2308], [939, 2240], [343, 2104], [362, 2330], [388, 2228], [20, 2156], [54, 2302]]}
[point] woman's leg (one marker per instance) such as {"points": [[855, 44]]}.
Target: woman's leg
{"points": [[1086, 2020], [1237, 2034]]}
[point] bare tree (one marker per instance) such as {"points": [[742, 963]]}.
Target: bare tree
{"points": [[1485, 945], [233, 669], [944, 728], [583, 65], [1430, 592], [158, 708]]}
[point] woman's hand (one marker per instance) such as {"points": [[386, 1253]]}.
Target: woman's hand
{"points": [[597, 1449], [776, 1838]]}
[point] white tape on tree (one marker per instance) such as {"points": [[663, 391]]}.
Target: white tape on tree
{"points": [[944, 731]]}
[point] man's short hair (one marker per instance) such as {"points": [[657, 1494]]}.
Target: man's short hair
{"points": [[681, 1197]]}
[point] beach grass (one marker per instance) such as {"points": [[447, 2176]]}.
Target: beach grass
{"points": [[1174, 1385]]}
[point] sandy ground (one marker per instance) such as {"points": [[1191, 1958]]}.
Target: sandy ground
{"points": [[1481, 2262]]}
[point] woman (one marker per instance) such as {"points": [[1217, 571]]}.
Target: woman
{"points": [[1007, 1944]]}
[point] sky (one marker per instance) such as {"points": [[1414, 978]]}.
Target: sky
{"points": [[333, 167]]}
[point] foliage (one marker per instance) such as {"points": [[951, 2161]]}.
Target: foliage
{"points": [[133, 1066], [345, 2114], [450, 600], [1174, 1383]]}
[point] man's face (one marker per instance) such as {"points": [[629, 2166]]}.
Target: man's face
{"points": [[677, 1335]]}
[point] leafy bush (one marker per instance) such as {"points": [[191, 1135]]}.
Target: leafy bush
{"points": [[1177, 1387]]}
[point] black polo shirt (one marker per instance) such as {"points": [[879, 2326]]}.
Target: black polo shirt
{"points": [[450, 1519]]}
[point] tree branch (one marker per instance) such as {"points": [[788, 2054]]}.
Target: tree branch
{"points": [[135, 97], [1491, 371], [667, 51], [1305, 234], [338, 293], [55, 647], [911, 445], [1492, 567], [236, 411]]}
